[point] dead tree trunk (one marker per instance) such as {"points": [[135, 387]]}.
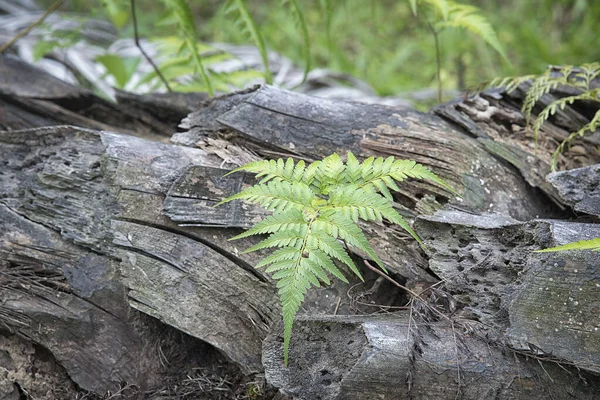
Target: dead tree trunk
{"points": [[110, 221]]}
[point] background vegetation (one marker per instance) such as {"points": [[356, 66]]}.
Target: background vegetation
{"points": [[381, 42]]}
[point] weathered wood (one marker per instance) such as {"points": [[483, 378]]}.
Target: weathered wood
{"points": [[579, 188], [543, 301], [354, 357], [308, 127], [508, 298], [71, 302], [495, 119], [31, 98], [83, 186]]}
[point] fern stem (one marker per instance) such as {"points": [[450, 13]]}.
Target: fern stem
{"points": [[139, 46], [287, 331]]}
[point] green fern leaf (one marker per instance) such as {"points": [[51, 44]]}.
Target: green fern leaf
{"points": [[315, 209], [441, 7], [185, 21], [358, 203], [292, 290], [321, 258], [543, 85], [413, 6], [277, 196], [579, 78], [592, 126], [330, 172], [466, 17], [379, 172], [592, 244], [283, 254], [290, 238], [561, 103], [330, 246], [274, 170], [510, 84], [246, 20]]}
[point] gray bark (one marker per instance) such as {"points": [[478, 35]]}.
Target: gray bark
{"points": [[579, 188], [396, 357]]}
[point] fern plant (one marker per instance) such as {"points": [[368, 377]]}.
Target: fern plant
{"points": [[578, 78], [592, 244], [444, 14], [180, 9], [245, 20], [316, 209]]}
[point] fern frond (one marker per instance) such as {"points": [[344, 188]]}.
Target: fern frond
{"points": [[561, 104], [542, 85], [591, 127], [355, 203], [468, 18], [248, 24], [413, 6], [292, 290], [283, 254], [592, 244], [586, 74], [321, 240], [330, 172], [441, 7], [315, 208], [298, 15], [379, 173], [509, 83], [324, 261], [277, 222], [274, 170], [185, 20], [277, 196], [310, 173]]}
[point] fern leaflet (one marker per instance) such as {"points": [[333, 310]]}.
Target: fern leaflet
{"points": [[592, 244]]}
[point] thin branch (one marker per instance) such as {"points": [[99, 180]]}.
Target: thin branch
{"points": [[35, 23], [139, 46]]}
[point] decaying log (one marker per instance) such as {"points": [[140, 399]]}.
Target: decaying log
{"points": [[510, 301], [77, 205], [546, 302], [31, 98], [399, 357], [272, 122], [100, 231]]}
